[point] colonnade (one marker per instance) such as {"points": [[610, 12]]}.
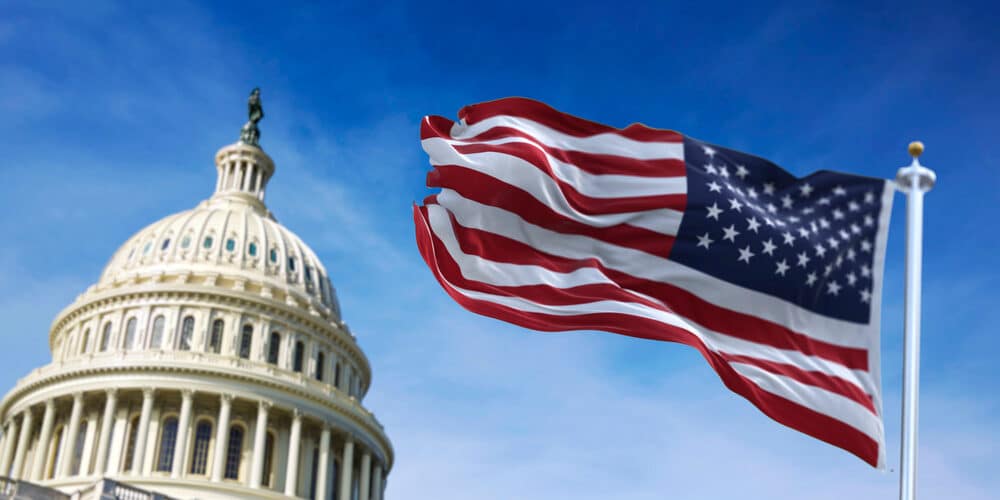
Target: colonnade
{"points": [[167, 439]]}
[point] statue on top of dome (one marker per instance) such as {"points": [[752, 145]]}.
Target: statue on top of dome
{"points": [[250, 134]]}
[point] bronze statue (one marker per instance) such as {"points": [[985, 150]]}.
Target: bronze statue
{"points": [[250, 134]]}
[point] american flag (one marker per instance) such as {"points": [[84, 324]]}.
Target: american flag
{"points": [[556, 223]]}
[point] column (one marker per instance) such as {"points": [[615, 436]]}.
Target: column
{"points": [[9, 445], [346, 468], [110, 405], [323, 469], [88, 443], [221, 438], [141, 436], [245, 167], [258, 444], [183, 426], [22, 444], [365, 480], [292, 470], [377, 482], [69, 439], [42, 449]]}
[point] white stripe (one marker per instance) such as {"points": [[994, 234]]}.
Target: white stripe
{"points": [[607, 143], [834, 405], [544, 189], [650, 267], [814, 398], [476, 268], [442, 152]]}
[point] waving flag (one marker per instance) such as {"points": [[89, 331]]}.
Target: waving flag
{"points": [[556, 223]]}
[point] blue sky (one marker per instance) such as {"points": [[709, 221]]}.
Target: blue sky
{"points": [[110, 116]]}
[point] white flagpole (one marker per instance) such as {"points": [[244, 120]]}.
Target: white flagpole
{"points": [[914, 180]]}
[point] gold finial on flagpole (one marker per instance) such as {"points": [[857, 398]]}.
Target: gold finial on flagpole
{"points": [[916, 149]]}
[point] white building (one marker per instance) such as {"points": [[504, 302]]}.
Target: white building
{"points": [[209, 361]]}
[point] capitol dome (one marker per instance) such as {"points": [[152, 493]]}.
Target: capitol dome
{"points": [[209, 361]]}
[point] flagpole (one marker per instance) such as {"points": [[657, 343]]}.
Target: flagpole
{"points": [[914, 180]]}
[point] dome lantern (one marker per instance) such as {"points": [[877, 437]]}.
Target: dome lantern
{"points": [[244, 168]]}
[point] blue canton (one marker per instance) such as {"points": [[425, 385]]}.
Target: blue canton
{"points": [[809, 241]]}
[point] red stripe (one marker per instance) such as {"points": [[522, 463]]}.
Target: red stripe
{"points": [[488, 190], [499, 248], [791, 414], [548, 295], [563, 122], [595, 163]]}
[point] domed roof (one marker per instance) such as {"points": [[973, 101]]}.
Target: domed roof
{"points": [[232, 233]]}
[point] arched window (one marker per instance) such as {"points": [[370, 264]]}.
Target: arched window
{"points": [[274, 348], [168, 442], [246, 341], [268, 460], [297, 356], [252, 249], [320, 363], [81, 436], [336, 374], [130, 334], [207, 243], [56, 446], [234, 453], [199, 454], [156, 336], [187, 332], [83, 342], [106, 337], [215, 339], [133, 429], [291, 264]]}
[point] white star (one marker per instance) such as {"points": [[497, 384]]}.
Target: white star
{"points": [[786, 201], [741, 171], [803, 232], [803, 259], [704, 241], [735, 204], [869, 221], [723, 171], [839, 191], [768, 221], [833, 243], [866, 296], [714, 187], [838, 214], [851, 254], [751, 192], [793, 219], [812, 226], [824, 200], [768, 188], [738, 191], [789, 239], [782, 268], [769, 247], [731, 233], [866, 246], [805, 190], [827, 270], [869, 197], [708, 151], [856, 229], [839, 261], [823, 223], [851, 278], [844, 235], [752, 222], [771, 208], [711, 169], [745, 254], [832, 288], [853, 206], [820, 251], [810, 279], [865, 270], [714, 211]]}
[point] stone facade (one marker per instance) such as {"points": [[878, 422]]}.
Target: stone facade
{"points": [[209, 361]]}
